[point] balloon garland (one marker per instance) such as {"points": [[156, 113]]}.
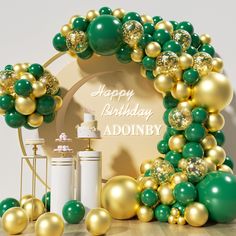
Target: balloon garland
{"points": [[192, 180]]}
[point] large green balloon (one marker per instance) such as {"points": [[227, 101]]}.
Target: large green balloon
{"points": [[23, 87], [162, 212], [217, 191], [6, 102], [7, 204], [149, 197], [14, 119], [105, 35], [46, 105], [73, 212]]}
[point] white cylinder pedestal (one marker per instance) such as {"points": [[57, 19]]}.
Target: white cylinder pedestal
{"points": [[90, 179], [61, 183]]}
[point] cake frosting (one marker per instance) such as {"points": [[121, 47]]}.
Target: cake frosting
{"points": [[62, 147]]}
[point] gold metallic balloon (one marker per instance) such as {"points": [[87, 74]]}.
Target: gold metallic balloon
{"points": [[213, 91], [28, 77], [119, 197], [34, 208], [14, 221], [183, 38], [211, 166], [39, 89], [35, 120], [185, 105], [72, 19], [145, 214], [137, 55], [217, 155], [166, 25], [208, 142], [139, 178], [146, 165], [177, 178], [153, 49], [49, 224], [177, 142], [172, 219], [2, 112], [92, 14], [225, 168], [119, 13], [143, 71], [175, 212], [65, 29], [98, 221], [182, 164], [202, 62], [147, 182], [196, 214], [51, 83], [166, 194], [215, 122], [25, 105], [181, 220], [20, 68], [146, 19], [178, 75], [24, 199], [185, 61], [77, 41], [132, 32], [59, 102], [218, 64], [163, 83], [205, 38], [181, 91]]}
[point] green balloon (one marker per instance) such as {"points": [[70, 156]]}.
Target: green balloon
{"points": [[199, 114], [46, 105], [7, 204], [185, 25], [149, 197], [169, 101], [229, 162], [23, 87], [195, 132], [27, 126], [36, 70], [132, 16], [173, 157], [46, 199], [180, 207], [185, 193], [14, 119], [149, 63], [6, 102], [163, 147], [162, 212], [192, 149], [105, 35], [85, 55], [166, 116], [49, 118], [124, 54], [220, 137], [217, 191], [59, 43], [172, 46], [73, 212], [80, 24]]}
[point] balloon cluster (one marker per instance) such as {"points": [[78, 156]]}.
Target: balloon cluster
{"points": [[29, 95]]}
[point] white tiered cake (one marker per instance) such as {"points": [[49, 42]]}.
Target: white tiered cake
{"points": [[88, 128]]}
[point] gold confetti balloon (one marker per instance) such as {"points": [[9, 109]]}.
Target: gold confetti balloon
{"points": [[180, 119], [145, 214], [183, 38], [132, 32], [77, 41], [51, 83], [7, 80], [202, 62], [162, 171], [196, 169]]}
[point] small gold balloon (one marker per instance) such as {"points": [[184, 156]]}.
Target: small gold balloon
{"points": [[178, 75], [181, 91], [139, 178], [59, 102], [208, 142], [225, 168], [98, 221], [171, 219], [49, 224], [51, 83], [177, 142], [183, 38], [34, 208], [119, 197], [137, 55], [166, 25], [35, 120], [146, 165], [196, 214], [217, 155], [20, 68], [65, 29], [205, 38], [143, 72], [14, 221], [181, 220], [2, 112], [166, 194], [147, 182], [145, 214], [175, 212], [211, 166], [182, 164], [25, 105], [185, 105], [202, 62], [25, 198], [39, 89], [119, 13], [28, 77], [218, 64], [77, 41], [185, 61], [92, 14], [163, 83], [153, 49], [147, 19], [215, 122], [213, 91], [72, 19], [177, 178]]}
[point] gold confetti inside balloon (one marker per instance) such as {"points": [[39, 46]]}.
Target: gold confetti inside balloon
{"points": [[119, 197], [202, 62], [24, 199], [25, 105], [183, 38], [196, 169], [162, 171], [132, 32], [196, 214], [51, 83], [49, 224], [166, 194], [2, 90], [167, 62], [77, 41], [180, 119], [145, 214], [14, 221], [7, 80], [147, 182]]}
